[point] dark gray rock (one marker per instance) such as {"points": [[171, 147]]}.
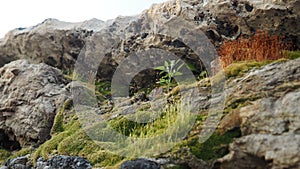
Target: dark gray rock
{"points": [[67, 162], [17, 163], [140, 164]]}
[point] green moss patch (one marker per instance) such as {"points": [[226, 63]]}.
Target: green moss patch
{"points": [[292, 54], [215, 147], [4, 155], [68, 138], [240, 68]]}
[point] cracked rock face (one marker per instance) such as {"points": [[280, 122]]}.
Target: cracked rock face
{"points": [[30, 96], [59, 43], [270, 124]]}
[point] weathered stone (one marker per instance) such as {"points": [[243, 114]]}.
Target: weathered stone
{"points": [[59, 43], [31, 94], [68, 162], [140, 163], [17, 163], [263, 151], [270, 122]]}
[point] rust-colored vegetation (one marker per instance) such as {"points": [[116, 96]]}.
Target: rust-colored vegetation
{"points": [[258, 47]]}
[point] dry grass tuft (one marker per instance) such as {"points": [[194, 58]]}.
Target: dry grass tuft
{"points": [[258, 47]]}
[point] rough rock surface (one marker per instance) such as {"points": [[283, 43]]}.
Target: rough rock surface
{"points": [[18, 163], [140, 163], [64, 162], [59, 43], [53, 42], [30, 96], [57, 162], [269, 123]]}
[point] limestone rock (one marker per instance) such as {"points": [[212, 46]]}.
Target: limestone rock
{"points": [[270, 124], [30, 96], [263, 151], [59, 43]]}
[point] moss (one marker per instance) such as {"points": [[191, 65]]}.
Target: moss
{"points": [[68, 138], [104, 158], [24, 151], [240, 68], [215, 147], [154, 128], [58, 122], [4, 155], [292, 54]]}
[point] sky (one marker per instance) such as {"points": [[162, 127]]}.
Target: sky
{"points": [[25, 13]]}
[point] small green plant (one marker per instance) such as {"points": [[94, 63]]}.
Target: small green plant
{"points": [[170, 70], [203, 75]]}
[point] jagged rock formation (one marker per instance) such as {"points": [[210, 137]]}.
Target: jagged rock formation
{"points": [[58, 43], [269, 122], [30, 97]]}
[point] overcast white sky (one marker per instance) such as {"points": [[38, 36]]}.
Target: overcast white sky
{"points": [[24, 13]]}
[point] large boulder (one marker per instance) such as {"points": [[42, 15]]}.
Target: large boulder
{"points": [[30, 96]]}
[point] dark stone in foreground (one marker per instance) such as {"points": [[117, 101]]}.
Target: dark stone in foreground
{"points": [[57, 162], [64, 162], [140, 164], [16, 163]]}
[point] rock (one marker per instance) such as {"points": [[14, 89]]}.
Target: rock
{"points": [[140, 164], [59, 43], [263, 151], [53, 42], [30, 96], [57, 162], [65, 162], [41, 163], [17, 163], [223, 20], [3, 167], [270, 123]]}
